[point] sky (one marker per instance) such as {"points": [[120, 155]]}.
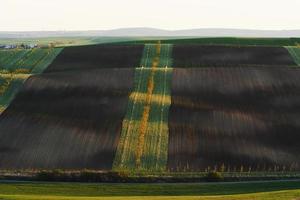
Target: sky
{"points": [[43, 15]]}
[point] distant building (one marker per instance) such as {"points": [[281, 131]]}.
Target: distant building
{"points": [[28, 46], [33, 46], [22, 46], [10, 46]]}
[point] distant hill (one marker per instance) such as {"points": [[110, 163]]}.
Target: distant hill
{"points": [[152, 32]]}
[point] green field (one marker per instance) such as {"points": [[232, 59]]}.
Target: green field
{"points": [[144, 138], [27, 61], [7, 96], [280, 190]]}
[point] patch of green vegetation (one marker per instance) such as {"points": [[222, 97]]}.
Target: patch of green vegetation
{"points": [[10, 57], [281, 195], [144, 139], [295, 53], [27, 61], [162, 80], [10, 92], [181, 190], [45, 61]]}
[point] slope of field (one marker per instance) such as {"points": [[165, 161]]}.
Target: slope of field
{"points": [[66, 120], [76, 107], [125, 108], [215, 56], [144, 139], [97, 56], [295, 53], [235, 119]]}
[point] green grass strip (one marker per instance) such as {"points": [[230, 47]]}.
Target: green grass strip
{"points": [[33, 60], [125, 155], [148, 55], [46, 60], [251, 189], [166, 59], [155, 150], [280, 195], [295, 53], [13, 59], [154, 157], [10, 92]]}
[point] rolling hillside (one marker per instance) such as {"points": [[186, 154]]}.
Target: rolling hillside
{"points": [[156, 107]]}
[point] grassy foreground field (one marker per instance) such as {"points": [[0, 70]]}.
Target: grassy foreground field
{"points": [[256, 190]]}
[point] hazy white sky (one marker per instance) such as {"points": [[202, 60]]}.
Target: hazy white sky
{"points": [[27, 15]]}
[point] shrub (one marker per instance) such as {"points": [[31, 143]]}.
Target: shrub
{"points": [[82, 176], [214, 177], [22, 71], [52, 175]]}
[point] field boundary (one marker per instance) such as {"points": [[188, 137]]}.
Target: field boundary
{"points": [[142, 177]]}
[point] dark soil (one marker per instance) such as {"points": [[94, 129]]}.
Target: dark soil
{"points": [[242, 118], [229, 56], [66, 120], [97, 56]]}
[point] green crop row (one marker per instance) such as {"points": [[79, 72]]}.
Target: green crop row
{"points": [[166, 55], [10, 58], [148, 55]]}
